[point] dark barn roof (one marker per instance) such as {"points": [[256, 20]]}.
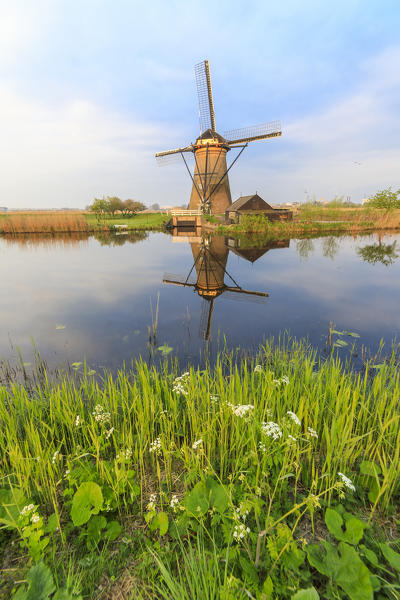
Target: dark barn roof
{"points": [[254, 202]]}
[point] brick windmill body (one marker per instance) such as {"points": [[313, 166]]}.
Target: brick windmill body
{"points": [[210, 183]]}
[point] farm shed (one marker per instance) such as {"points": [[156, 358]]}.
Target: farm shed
{"points": [[253, 206]]}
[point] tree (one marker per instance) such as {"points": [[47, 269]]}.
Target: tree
{"points": [[132, 206], [115, 204], [379, 253], [385, 199], [99, 207], [155, 206]]}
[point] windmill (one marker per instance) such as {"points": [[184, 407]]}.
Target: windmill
{"points": [[210, 184], [210, 257]]}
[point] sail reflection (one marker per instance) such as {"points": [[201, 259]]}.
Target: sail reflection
{"points": [[209, 275]]}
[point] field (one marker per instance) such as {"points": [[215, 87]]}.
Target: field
{"points": [[273, 478]]}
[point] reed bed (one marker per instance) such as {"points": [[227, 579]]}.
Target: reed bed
{"points": [[59, 222], [278, 431]]}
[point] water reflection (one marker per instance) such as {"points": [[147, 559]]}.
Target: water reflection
{"points": [[208, 272], [68, 239], [379, 253]]}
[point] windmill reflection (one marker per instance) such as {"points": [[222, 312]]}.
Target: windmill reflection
{"points": [[210, 278]]}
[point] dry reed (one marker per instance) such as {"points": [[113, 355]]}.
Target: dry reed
{"points": [[44, 222]]}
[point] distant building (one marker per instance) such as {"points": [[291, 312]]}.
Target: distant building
{"points": [[3, 209], [253, 206]]}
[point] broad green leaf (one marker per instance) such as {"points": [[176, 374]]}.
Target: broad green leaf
{"points": [[308, 594], [354, 527], [268, 588], [65, 594], [196, 502], [40, 582], [340, 344], [160, 522], [52, 524], [370, 555], [95, 526], [87, 501], [217, 495], [391, 556], [113, 530], [347, 570]]}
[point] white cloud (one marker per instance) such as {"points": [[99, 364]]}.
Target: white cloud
{"points": [[65, 155]]}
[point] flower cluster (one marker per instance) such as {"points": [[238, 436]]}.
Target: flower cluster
{"points": [[271, 429], [155, 447], [55, 456], [35, 518], [27, 509], [124, 454], [78, 421], [214, 399], [347, 482], [174, 504], [294, 417], [180, 384], [197, 444], [312, 432], [241, 410], [262, 446], [100, 415], [152, 503], [258, 369], [240, 531], [241, 512], [279, 382]]}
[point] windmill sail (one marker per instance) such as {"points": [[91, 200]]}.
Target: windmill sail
{"points": [[251, 134], [169, 156], [204, 92]]}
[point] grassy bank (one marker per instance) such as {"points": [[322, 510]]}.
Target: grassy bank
{"points": [[256, 480], [147, 221], [51, 222], [309, 220]]}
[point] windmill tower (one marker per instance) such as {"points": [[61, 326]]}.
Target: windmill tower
{"points": [[210, 184]]}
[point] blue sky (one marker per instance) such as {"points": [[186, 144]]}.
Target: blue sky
{"points": [[89, 91]]}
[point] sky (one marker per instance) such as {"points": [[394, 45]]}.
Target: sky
{"points": [[90, 90]]}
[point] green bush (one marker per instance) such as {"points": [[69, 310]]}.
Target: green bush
{"points": [[385, 199]]}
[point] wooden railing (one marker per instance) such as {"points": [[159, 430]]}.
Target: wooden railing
{"points": [[183, 212]]}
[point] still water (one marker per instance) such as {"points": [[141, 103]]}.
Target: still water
{"points": [[80, 298]]}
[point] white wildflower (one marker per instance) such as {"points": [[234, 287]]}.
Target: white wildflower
{"points": [[155, 447], [100, 415], [35, 518], [197, 444], [347, 482], [174, 503], [241, 512], [214, 398], [312, 432], [241, 410], [285, 380], [77, 421], [271, 429], [294, 417], [258, 369], [240, 531], [262, 446], [292, 438], [67, 472], [109, 433], [27, 509], [180, 383], [55, 456], [151, 506]]}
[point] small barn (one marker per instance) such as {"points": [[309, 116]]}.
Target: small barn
{"points": [[253, 206]]}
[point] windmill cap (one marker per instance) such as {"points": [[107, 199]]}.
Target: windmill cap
{"points": [[209, 134]]}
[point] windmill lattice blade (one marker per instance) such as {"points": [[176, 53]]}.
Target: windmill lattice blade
{"points": [[183, 279], [204, 92], [172, 156], [238, 297], [251, 134]]}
